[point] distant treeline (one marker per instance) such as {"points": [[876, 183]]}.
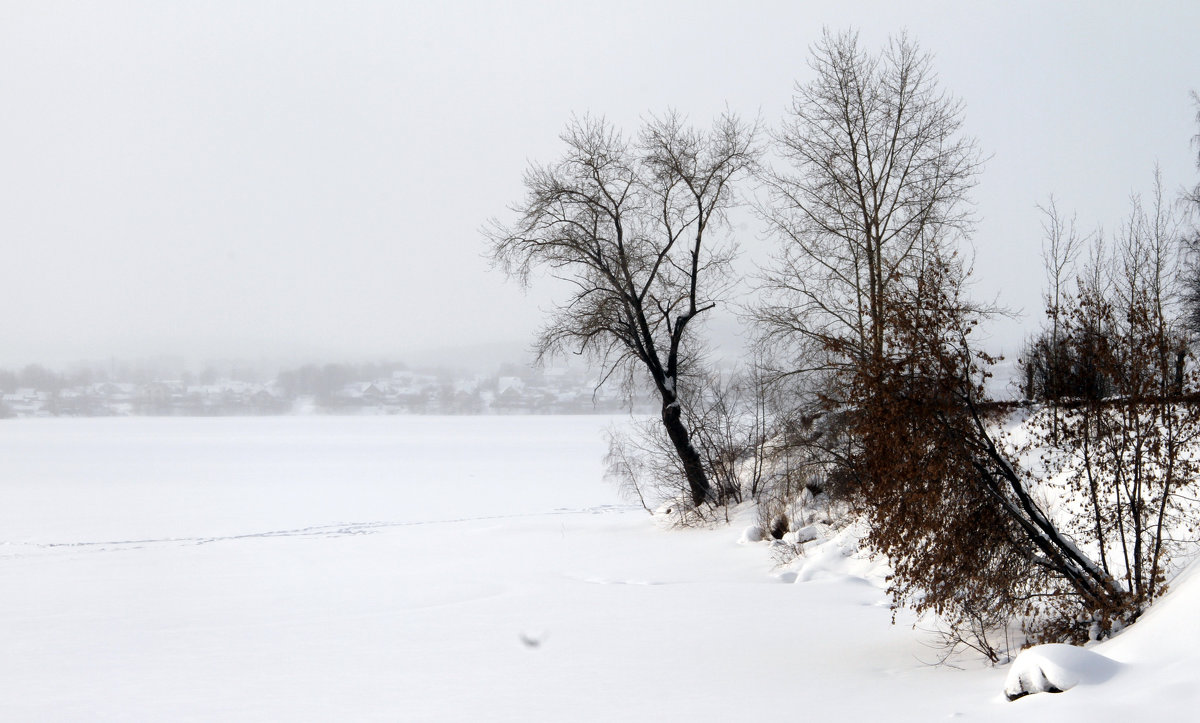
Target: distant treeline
{"points": [[165, 388]]}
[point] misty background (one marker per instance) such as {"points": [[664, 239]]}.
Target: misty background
{"points": [[274, 185]]}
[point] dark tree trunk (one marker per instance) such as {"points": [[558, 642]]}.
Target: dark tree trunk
{"points": [[693, 467], [1180, 359]]}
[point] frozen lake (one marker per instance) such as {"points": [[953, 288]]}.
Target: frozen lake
{"points": [[271, 568], [424, 569], [382, 568], [105, 479]]}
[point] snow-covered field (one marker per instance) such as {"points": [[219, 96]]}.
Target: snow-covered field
{"points": [[469, 568]]}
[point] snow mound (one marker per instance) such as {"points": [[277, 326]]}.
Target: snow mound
{"points": [[1167, 632], [805, 534], [1056, 668], [753, 533]]}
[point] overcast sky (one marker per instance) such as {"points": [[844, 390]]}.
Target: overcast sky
{"points": [[307, 181]]}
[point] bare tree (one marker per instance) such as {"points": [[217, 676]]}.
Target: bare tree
{"points": [[1149, 269], [1123, 443], [1190, 200], [873, 199], [963, 525], [1192, 197], [868, 293], [969, 532], [628, 226], [876, 189], [1060, 247], [1044, 362]]}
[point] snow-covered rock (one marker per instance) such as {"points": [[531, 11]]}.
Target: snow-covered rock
{"points": [[808, 533], [1056, 668], [753, 533]]}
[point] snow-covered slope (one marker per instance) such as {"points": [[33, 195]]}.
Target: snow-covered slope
{"points": [[1147, 672]]}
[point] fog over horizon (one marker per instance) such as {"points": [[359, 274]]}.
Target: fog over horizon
{"points": [[306, 183]]}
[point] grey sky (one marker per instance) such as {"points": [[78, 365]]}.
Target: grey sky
{"points": [[307, 180]]}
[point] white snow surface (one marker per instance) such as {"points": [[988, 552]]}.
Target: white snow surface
{"points": [[455, 569]]}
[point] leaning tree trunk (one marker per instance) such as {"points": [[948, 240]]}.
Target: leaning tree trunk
{"points": [[693, 467]]}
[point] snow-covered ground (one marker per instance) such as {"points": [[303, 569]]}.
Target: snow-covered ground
{"points": [[453, 568]]}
